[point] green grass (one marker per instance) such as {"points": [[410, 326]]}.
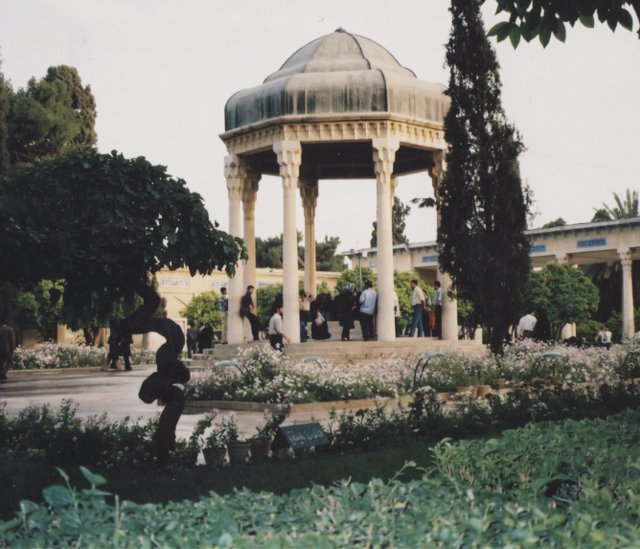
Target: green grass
{"points": [[21, 479]]}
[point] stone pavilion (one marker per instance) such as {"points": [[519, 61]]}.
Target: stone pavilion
{"points": [[341, 107]]}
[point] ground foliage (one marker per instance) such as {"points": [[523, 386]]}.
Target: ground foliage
{"points": [[575, 484], [483, 208]]}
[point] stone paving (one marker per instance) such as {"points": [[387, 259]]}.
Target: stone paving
{"points": [[115, 393]]}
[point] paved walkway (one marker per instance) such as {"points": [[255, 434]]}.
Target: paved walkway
{"points": [[115, 393]]}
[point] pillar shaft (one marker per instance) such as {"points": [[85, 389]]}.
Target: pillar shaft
{"points": [[449, 305], [309, 195], [384, 154], [289, 158], [628, 329], [249, 195], [234, 172]]}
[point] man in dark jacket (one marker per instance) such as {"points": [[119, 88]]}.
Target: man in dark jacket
{"points": [[249, 311]]}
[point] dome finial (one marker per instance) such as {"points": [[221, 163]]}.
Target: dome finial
{"points": [[340, 29]]}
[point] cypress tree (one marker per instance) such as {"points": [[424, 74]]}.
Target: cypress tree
{"points": [[483, 208]]}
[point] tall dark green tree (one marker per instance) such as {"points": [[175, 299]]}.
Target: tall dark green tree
{"points": [[483, 208], [5, 92], [51, 116], [398, 214]]}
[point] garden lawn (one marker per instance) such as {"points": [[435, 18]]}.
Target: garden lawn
{"points": [[22, 479], [566, 484]]}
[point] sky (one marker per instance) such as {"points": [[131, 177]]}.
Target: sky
{"points": [[161, 72]]}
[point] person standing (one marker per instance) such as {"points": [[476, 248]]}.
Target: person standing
{"points": [[124, 350], [7, 348], [417, 304], [396, 312], [437, 332], [223, 304], [426, 314], [347, 304], [368, 300], [526, 326], [192, 339], [604, 338], [206, 337], [276, 334], [248, 310]]}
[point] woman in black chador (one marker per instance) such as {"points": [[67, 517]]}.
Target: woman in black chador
{"points": [[347, 304]]}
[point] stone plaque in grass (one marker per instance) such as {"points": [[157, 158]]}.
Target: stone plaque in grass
{"points": [[303, 435]]}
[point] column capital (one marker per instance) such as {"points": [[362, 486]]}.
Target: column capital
{"points": [[289, 158], [308, 193], [384, 155], [625, 257], [235, 173], [437, 170], [250, 187]]}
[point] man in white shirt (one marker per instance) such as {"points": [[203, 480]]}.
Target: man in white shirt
{"points": [[417, 303], [526, 326], [223, 304], [275, 330], [367, 308]]}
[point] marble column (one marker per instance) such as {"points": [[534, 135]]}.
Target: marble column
{"points": [[626, 261], [234, 172], [309, 195], [384, 154], [289, 158], [449, 305], [249, 195]]}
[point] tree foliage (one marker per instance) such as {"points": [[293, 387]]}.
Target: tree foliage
{"points": [[557, 223], [483, 209], [5, 93], [529, 19], [203, 308], [352, 276], [326, 258], [103, 223], [51, 116], [269, 253], [398, 214], [625, 208], [561, 294]]}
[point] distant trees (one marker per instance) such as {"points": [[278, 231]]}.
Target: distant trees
{"points": [[398, 214], [203, 308], [561, 294], [49, 117], [269, 253], [483, 208], [557, 223]]}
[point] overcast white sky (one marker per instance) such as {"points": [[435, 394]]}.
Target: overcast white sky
{"points": [[161, 72]]}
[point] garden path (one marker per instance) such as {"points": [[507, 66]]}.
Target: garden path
{"points": [[113, 393]]}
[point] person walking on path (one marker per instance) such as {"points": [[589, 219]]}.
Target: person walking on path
{"points": [[438, 306], [347, 303], [368, 300], [7, 348], [417, 303], [124, 350], [223, 304], [248, 310], [526, 326], [276, 335], [192, 339]]}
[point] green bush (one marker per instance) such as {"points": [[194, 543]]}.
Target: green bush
{"points": [[568, 485]]}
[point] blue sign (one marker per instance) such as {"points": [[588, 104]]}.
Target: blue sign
{"points": [[373, 264], [592, 243], [538, 248], [429, 259]]}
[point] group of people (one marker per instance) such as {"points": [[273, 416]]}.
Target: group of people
{"points": [[119, 346], [427, 316]]}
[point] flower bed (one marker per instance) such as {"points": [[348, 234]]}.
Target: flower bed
{"points": [[265, 376], [65, 355]]}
